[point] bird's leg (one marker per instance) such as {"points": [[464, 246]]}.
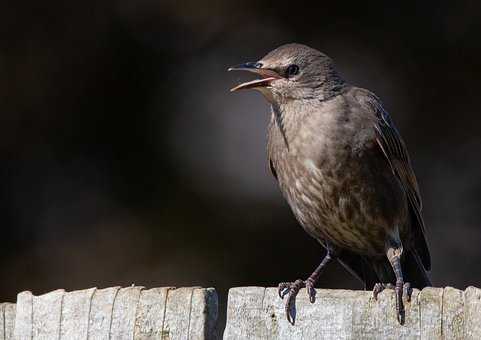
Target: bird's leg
{"points": [[292, 288], [394, 253]]}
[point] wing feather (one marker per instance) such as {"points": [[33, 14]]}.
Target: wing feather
{"points": [[395, 151]]}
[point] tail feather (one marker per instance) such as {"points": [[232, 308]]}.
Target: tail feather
{"points": [[360, 267], [414, 271]]}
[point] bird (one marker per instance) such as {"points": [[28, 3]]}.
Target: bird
{"points": [[345, 171]]}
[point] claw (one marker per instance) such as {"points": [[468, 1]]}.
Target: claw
{"points": [[290, 308], [379, 287], [311, 291], [400, 291], [408, 291], [399, 304], [291, 289], [283, 289]]}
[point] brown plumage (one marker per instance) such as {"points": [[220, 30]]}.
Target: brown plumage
{"points": [[345, 172]]}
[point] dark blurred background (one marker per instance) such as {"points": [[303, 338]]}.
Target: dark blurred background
{"points": [[124, 158]]}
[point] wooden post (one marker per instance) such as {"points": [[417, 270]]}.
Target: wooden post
{"points": [[433, 313], [112, 313]]}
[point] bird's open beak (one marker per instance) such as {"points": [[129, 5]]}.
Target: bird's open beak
{"points": [[267, 76]]}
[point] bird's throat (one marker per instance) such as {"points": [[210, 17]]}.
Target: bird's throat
{"points": [[279, 118]]}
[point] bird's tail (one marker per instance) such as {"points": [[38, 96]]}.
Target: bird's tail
{"points": [[414, 271], [371, 271]]}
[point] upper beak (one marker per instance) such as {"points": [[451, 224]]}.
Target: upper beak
{"points": [[267, 76]]}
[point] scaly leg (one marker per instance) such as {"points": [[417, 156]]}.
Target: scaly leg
{"points": [[401, 288], [292, 288]]}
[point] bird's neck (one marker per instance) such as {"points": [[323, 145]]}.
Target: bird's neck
{"points": [[290, 115], [288, 118]]}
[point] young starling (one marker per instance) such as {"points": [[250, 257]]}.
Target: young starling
{"points": [[345, 172]]}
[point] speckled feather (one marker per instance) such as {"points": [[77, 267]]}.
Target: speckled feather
{"points": [[334, 175]]}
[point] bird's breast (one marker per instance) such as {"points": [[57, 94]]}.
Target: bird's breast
{"points": [[335, 191]]}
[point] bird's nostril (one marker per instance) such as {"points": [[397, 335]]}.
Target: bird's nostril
{"points": [[253, 65]]}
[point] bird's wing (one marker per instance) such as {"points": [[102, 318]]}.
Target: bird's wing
{"points": [[395, 151]]}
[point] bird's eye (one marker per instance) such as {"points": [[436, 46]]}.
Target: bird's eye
{"points": [[292, 70]]}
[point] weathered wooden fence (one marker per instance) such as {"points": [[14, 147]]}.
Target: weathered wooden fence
{"points": [[433, 313], [112, 313], [252, 313]]}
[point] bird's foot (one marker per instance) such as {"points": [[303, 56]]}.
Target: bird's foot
{"points": [[291, 289], [401, 289], [379, 287]]}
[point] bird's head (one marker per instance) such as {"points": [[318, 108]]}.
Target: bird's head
{"points": [[291, 72]]}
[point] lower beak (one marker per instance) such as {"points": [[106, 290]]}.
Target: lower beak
{"points": [[264, 82], [267, 76]]}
